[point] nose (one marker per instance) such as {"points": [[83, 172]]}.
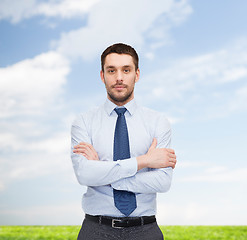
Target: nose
{"points": [[119, 76]]}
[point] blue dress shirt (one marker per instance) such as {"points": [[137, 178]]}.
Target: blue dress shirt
{"points": [[97, 128]]}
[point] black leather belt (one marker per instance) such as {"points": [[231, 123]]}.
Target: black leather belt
{"points": [[121, 222]]}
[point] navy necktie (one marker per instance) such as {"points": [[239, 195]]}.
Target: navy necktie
{"points": [[124, 201]]}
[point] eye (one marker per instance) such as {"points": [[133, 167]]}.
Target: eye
{"points": [[126, 70], [111, 71]]}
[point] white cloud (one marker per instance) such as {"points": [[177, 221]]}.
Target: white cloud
{"points": [[66, 8], [185, 75], [25, 159], [30, 86], [202, 81], [19, 10], [30, 97], [18, 141], [129, 23]]}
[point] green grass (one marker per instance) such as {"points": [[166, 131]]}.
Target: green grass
{"points": [[39, 232], [204, 232], [170, 232]]}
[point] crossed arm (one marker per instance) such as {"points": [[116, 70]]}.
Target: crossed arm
{"points": [[154, 158], [159, 160]]}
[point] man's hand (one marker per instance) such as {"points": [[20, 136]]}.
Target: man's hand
{"points": [[157, 157], [86, 150]]}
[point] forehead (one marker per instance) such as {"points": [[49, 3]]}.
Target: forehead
{"points": [[118, 60]]}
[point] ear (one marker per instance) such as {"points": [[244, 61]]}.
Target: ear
{"points": [[137, 75], [102, 76]]}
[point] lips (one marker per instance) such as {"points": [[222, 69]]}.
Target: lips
{"points": [[119, 87]]}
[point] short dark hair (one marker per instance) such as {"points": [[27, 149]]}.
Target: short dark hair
{"points": [[120, 48]]}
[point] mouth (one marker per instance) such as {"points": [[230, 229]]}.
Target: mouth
{"points": [[119, 87]]}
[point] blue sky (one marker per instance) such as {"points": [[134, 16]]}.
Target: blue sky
{"points": [[193, 62]]}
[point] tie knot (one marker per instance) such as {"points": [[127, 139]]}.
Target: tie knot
{"points": [[120, 111]]}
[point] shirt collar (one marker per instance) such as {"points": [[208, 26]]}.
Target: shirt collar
{"points": [[110, 106]]}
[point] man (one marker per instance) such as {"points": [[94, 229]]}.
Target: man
{"points": [[120, 152]]}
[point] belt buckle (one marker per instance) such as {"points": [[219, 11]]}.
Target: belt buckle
{"points": [[115, 221]]}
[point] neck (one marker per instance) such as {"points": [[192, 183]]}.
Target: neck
{"points": [[122, 102]]}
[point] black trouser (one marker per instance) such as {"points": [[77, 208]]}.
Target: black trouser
{"points": [[94, 231]]}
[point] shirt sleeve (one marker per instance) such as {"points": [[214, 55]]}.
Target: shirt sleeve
{"points": [[92, 172], [153, 180]]}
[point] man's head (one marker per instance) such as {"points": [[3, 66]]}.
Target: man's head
{"points": [[120, 48], [119, 72]]}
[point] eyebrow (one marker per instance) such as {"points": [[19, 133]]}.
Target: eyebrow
{"points": [[125, 66], [110, 67]]}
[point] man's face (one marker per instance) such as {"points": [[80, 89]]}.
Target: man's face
{"points": [[119, 77]]}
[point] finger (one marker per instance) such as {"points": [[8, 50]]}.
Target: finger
{"points": [[83, 153], [78, 151], [171, 155], [90, 155], [82, 147], [90, 152], [87, 150], [171, 163], [172, 159], [84, 144], [154, 144], [170, 150], [92, 148]]}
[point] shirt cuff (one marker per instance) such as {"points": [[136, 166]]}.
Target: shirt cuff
{"points": [[129, 167]]}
